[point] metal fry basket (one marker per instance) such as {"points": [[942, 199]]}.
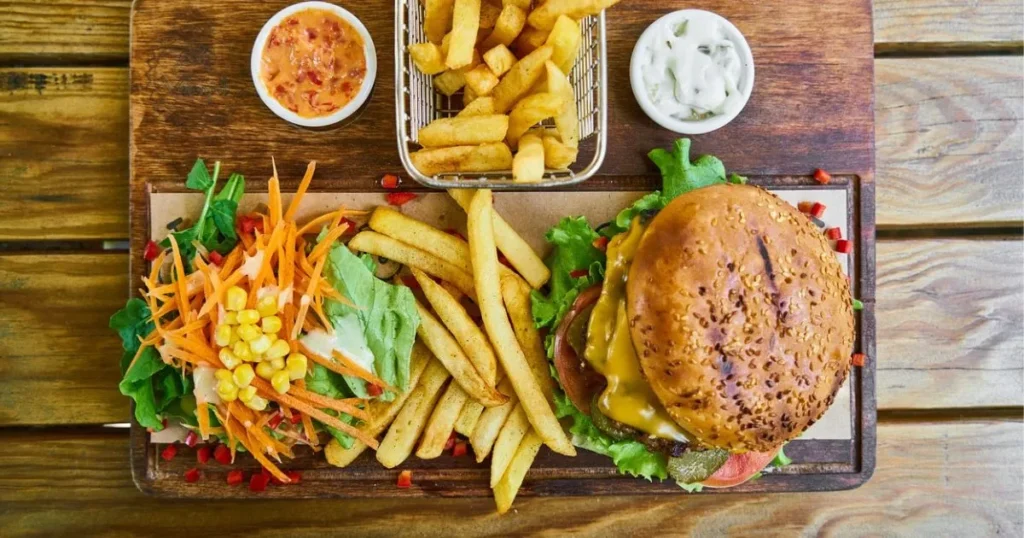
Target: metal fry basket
{"points": [[417, 104]]}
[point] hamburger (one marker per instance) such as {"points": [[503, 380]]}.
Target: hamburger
{"points": [[698, 332]]}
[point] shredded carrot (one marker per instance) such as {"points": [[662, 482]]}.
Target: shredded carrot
{"points": [[203, 416], [347, 367], [293, 207], [319, 310], [361, 372], [179, 273], [274, 200], [249, 445], [323, 246], [265, 390], [311, 226], [154, 271], [307, 423], [324, 402]]}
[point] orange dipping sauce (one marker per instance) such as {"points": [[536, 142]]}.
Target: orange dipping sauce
{"points": [[314, 63]]}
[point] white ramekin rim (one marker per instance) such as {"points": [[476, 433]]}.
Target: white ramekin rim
{"points": [[344, 112], [691, 127]]}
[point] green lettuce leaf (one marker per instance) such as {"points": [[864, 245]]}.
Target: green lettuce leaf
{"points": [[679, 175], [574, 251], [781, 459]]}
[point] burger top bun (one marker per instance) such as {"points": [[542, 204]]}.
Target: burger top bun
{"points": [[741, 317]]}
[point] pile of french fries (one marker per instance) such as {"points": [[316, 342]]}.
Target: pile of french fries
{"points": [[511, 62], [491, 383]]}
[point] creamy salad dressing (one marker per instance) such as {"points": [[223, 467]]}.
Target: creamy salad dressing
{"points": [[348, 339], [692, 69]]}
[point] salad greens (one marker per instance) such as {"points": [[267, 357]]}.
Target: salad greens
{"points": [[577, 264], [215, 227]]}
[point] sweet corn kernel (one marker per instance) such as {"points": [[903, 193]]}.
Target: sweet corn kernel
{"points": [[227, 391], [243, 376], [222, 374], [280, 382], [247, 394], [296, 365], [257, 403], [260, 345], [234, 336], [250, 317], [230, 318], [235, 299], [278, 350], [222, 335], [272, 337], [249, 332], [265, 370], [277, 364], [242, 351], [267, 306], [271, 325], [228, 358]]}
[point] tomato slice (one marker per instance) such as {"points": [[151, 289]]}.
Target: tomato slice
{"points": [[739, 468]]}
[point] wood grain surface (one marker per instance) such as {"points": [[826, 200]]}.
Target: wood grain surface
{"points": [[965, 25], [946, 322], [64, 164], [950, 133], [931, 477], [190, 68], [58, 359]]}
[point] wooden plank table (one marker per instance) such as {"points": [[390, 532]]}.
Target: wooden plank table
{"points": [[949, 129]]}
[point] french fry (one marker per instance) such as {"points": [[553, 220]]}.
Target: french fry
{"points": [[427, 58], [472, 340], [395, 224], [482, 158], [442, 421], [512, 433], [530, 111], [485, 276], [465, 22], [468, 417], [488, 426], [444, 346], [401, 437], [499, 59], [382, 413], [382, 245], [529, 40], [450, 82], [516, 294], [468, 95], [565, 40], [510, 22], [519, 253], [463, 131], [567, 120], [528, 162], [557, 155], [481, 106], [507, 488], [518, 81], [481, 80], [521, 4], [437, 19], [546, 14], [488, 15]]}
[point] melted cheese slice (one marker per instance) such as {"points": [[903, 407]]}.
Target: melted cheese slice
{"points": [[628, 398]]}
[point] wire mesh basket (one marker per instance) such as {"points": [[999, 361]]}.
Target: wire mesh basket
{"points": [[417, 104]]}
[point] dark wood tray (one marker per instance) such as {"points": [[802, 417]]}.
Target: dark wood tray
{"points": [[192, 95]]}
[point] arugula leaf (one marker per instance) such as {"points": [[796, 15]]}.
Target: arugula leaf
{"points": [[199, 178], [138, 385], [223, 214], [131, 323], [215, 227]]}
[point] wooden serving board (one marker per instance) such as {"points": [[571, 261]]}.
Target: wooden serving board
{"points": [[192, 95]]}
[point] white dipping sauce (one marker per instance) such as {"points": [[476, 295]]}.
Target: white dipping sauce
{"points": [[691, 69]]}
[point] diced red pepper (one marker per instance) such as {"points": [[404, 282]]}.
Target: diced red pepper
{"points": [[275, 420], [374, 390], [817, 210], [216, 258], [296, 418], [191, 439], [858, 359], [203, 454], [247, 224], [601, 243], [844, 246], [222, 454], [258, 482], [456, 233], [400, 198], [169, 452], [450, 443], [579, 273], [405, 479], [151, 252], [352, 226], [805, 207], [192, 475], [410, 282], [390, 181], [834, 234], [822, 176], [235, 477], [460, 449], [294, 476]]}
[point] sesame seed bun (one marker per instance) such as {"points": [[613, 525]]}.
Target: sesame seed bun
{"points": [[741, 316]]}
